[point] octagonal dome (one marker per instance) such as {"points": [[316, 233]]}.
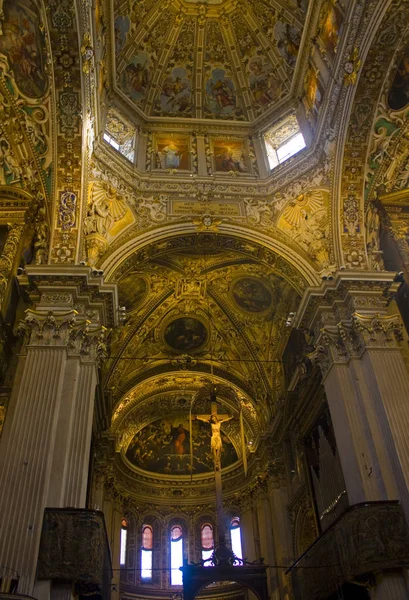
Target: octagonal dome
{"points": [[222, 59]]}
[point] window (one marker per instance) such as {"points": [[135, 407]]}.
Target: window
{"points": [[283, 141], [176, 555], [235, 536], [120, 134], [124, 532], [146, 552], [207, 543]]}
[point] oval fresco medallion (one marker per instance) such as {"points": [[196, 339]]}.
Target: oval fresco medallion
{"points": [[164, 447], [185, 334], [131, 290], [252, 295]]}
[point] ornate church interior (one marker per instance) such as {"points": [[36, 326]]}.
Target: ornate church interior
{"points": [[204, 314]]}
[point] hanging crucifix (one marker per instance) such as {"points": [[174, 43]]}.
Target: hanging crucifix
{"points": [[215, 420]]}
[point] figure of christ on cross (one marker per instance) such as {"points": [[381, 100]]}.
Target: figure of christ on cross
{"points": [[215, 421]]}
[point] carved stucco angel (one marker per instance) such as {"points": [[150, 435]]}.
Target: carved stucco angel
{"points": [[105, 208]]}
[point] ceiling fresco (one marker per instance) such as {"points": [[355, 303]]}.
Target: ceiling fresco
{"points": [[222, 60]]}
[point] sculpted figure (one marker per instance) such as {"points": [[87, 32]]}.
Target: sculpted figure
{"points": [[373, 224], [216, 439]]}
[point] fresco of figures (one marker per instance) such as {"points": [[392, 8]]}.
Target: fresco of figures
{"points": [[330, 27], [164, 447], [135, 78], [230, 155], [172, 152], [313, 92], [288, 40], [175, 94], [23, 44]]}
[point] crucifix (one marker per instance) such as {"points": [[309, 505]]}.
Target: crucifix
{"points": [[215, 421]]}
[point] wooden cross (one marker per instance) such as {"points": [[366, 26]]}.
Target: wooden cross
{"points": [[215, 421]]}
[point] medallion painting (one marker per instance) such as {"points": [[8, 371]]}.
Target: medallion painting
{"points": [[252, 295], [132, 290], [172, 152], [164, 447], [185, 334], [22, 42], [398, 96], [230, 155]]}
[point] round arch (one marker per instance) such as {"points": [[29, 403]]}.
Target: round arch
{"points": [[253, 245]]}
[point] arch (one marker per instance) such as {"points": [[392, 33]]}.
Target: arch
{"points": [[356, 120], [145, 243], [253, 577]]}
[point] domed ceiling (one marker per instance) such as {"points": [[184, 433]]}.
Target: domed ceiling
{"points": [[223, 59], [199, 317]]}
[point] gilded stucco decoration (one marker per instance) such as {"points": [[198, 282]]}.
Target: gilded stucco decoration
{"points": [[107, 214], [372, 128], [306, 219]]}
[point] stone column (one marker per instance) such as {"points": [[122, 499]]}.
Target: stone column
{"points": [[357, 343], [44, 450]]}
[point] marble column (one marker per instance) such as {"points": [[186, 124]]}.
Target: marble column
{"points": [[44, 450], [358, 339]]}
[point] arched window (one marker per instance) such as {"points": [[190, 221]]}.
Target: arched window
{"points": [[235, 537], [176, 554], [146, 552], [124, 533], [207, 543]]}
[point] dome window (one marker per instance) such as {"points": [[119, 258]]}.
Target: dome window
{"points": [[283, 141], [120, 135]]}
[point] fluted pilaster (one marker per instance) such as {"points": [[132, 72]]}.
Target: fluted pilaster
{"points": [[44, 452]]}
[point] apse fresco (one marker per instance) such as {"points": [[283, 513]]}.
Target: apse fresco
{"points": [[22, 42], [251, 295], [185, 334], [172, 152], [230, 155], [131, 290], [398, 96], [164, 447]]}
